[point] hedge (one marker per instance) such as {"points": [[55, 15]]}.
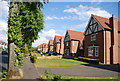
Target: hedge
{"points": [[89, 60]]}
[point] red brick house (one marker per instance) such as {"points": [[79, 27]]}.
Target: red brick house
{"points": [[59, 44], [3, 45], [73, 43], [50, 45], [43, 48], [102, 39]]}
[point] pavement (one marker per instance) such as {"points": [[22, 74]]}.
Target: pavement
{"points": [[84, 71], [29, 70]]}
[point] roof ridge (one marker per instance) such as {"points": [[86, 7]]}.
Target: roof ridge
{"points": [[100, 16], [75, 31]]}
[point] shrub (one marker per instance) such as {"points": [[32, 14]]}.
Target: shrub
{"points": [[33, 58], [89, 60], [53, 77], [4, 74], [57, 77], [48, 74]]}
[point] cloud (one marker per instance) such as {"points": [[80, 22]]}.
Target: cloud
{"points": [[62, 18], [3, 9], [3, 30], [44, 37], [3, 20], [81, 13], [84, 12]]}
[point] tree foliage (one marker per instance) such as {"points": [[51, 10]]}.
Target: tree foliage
{"points": [[25, 21]]}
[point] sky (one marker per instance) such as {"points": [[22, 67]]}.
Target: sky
{"points": [[61, 16]]}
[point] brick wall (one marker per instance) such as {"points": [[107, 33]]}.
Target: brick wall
{"points": [[98, 42]]}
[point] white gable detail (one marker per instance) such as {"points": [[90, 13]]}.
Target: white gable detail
{"points": [[67, 37], [93, 26]]}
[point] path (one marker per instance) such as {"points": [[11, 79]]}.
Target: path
{"points": [[29, 70], [82, 71]]}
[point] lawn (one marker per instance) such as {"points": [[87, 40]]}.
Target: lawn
{"points": [[59, 63]]}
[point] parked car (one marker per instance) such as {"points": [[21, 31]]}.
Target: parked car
{"points": [[52, 53], [4, 52]]}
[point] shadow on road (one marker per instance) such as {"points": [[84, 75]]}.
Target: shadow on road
{"points": [[115, 68]]}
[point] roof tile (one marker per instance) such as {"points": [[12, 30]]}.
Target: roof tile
{"points": [[76, 35]]}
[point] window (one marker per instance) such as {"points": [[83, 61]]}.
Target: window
{"points": [[72, 42], [73, 51], [90, 51], [66, 43], [97, 51], [67, 52], [93, 37]]}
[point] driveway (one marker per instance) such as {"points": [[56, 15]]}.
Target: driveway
{"points": [[84, 71]]}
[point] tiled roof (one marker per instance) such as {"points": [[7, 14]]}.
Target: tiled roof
{"points": [[3, 42], [51, 42], [57, 38], [102, 21], [76, 35], [42, 45]]}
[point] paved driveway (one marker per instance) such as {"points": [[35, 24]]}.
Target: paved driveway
{"points": [[84, 71]]}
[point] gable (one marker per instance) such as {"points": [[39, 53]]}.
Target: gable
{"points": [[67, 37], [93, 26], [54, 40]]}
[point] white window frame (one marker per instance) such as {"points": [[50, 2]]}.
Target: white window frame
{"points": [[73, 43], [93, 37], [66, 43], [96, 51], [90, 51]]}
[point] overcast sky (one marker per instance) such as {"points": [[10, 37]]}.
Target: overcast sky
{"points": [[60, 16]]}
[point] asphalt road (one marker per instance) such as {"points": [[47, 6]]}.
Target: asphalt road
{"points": [[84, 71]]}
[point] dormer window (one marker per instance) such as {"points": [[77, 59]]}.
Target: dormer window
{"points": [[93, 37]]}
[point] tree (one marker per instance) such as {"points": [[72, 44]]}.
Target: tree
{"points": [[24, 23]]}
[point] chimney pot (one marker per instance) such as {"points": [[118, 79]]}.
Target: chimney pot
{"points": [[112, 15]]}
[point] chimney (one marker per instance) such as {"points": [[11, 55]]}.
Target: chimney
{"points": [[114, 38]]}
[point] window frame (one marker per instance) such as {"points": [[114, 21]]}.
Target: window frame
{"points": [[73, 43], [96, 51], [67, 44], [92, 51], [93, 37]]}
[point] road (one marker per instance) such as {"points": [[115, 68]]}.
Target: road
{"points": [[84, 71]]}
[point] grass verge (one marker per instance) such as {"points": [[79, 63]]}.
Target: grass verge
{"points": [[59, 63]]}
